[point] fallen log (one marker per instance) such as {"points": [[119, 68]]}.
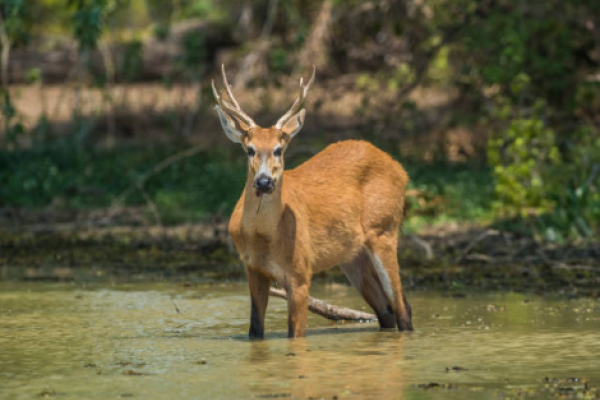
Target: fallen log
{"points": [[329, 311]]}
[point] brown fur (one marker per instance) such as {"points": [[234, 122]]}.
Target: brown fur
{"points": [[345, 201]]}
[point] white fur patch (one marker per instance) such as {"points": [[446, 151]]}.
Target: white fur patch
{"points": [[230, 130], [263, 169], [383, 276], [277, 272]]}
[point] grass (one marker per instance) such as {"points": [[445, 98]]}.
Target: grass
{"points": [[66, 176], [82, 179], [450, 192]]}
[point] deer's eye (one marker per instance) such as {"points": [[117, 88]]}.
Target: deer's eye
{"points": [[251, 152], [277, 152]]}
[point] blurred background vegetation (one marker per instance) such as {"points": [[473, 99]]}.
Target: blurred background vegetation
{"points": [[493, 106]]}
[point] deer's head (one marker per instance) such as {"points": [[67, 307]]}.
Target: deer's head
{"points": [[265, 147]]}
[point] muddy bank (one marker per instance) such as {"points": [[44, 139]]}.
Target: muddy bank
{"points": [[449, 258], [43, 254]]}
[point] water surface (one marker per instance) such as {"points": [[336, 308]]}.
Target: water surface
{"points": [[129, 341]]}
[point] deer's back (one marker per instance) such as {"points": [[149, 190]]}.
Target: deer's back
{"points": [[349, 166], [345, 193]]}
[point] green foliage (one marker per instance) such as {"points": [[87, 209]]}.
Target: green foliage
{"points": [[161, 31], [520, 156], [66, 176], [534, 179], [11, 125], [440, 69], [198, 8], [532, 61], [448, 192], [403, 75], [193, 60], [576, 189], [504, 40], [13, 12], [133, 59], [88, 22], [278, 59], [33, 75]]}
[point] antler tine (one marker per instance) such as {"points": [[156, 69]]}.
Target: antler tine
{"points": [[228, 88], [215, 93], [299, 100], [234, 108], [221, 102]]}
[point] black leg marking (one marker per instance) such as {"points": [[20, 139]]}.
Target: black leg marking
{"points": [[408, 309], [257, 327], [386, 321], [290, 329], [406, 326]]}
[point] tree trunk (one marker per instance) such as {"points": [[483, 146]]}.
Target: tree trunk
{"points": [[315, 47], [4, 56]]}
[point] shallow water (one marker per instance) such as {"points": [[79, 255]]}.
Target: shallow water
{"points": [[112, 341]]}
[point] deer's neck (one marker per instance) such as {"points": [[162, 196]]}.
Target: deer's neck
{"points": [[262, 213]]}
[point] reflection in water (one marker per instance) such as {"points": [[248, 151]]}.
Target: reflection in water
{"points": [[368, 363], [111, 342]]}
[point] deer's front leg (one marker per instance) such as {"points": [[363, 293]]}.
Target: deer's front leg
{"points": [[297, 292], [259, 294]]}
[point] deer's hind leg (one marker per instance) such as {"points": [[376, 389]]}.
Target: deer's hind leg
{"points": [[382, 252], [362, 275]]}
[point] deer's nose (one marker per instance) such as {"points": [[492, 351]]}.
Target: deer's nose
{"points": [[264, 184]]}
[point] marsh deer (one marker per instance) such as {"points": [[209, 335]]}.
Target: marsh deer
{"points": [[342, 207]]}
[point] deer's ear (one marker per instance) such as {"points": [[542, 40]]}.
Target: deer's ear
{"points": [[294, 124], [235, 132]]}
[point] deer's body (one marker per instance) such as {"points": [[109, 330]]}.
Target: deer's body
{"points": [[342, 207], [326, 211]]}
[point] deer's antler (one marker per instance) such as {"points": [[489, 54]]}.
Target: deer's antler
{"points": [[296, 106], [234, 108]]}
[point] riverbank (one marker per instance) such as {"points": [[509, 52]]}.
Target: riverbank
{"points": [[451, 257]]}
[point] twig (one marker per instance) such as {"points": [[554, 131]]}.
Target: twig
{"points": [[426, 246], [190, 112], [253, 62], [480, 257], [540, 251], [506, 237], [272, 13], [151, 206], [574, 267], [175, 305], [329, 311], [59, 99], [524, 243], [474, 242], [366, 7], [107, 95], [118, 202], [593, 174]]}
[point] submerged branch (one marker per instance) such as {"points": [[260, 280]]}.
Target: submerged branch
{"points": [[329, 311]]}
